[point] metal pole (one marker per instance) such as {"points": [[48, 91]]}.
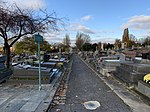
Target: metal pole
{"points": [[39, 66]]}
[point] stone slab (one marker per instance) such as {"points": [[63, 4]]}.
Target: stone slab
{"points": [[18, 72], [13, 106], [144, 68], [46, 64], [131, 72], [5, 74], [111, 63], [25, 98], [144, 88], [127, 76], [2, 100]]}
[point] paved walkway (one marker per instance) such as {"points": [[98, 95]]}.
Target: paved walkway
{"points": [[85, 86], [25, 98]]}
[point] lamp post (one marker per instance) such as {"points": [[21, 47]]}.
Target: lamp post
{"points": [[39, 39]]}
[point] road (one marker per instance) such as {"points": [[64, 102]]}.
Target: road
{"points": [[84, 85]]}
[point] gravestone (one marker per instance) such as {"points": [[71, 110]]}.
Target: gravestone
{"points": [[110, 64], [131, 72], [122, 45], [102, 46], [26, 73], [46, 57], [146, 55], [4, 72]]}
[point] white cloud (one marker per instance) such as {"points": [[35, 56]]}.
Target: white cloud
{"points": [[86, 18], [104, 40], [106, 31], [30, 4], [82, 28], [54, 34], [53, 37], [141, 22]]}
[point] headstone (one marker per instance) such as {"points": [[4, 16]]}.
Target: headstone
{"points": [[102, 46], [122, 45], [46, 57], [2, 61], [146, 55], [121, 57], [4, 72]]}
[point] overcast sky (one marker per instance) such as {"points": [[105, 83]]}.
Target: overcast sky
{"points": [[103, 20]]}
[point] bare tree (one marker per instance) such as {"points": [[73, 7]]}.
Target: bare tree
{"points": [[147, 41], [17, 23], [132, 40], [117, 43], [81, 39], [66, 42]]}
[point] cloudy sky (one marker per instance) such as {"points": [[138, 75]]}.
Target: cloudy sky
{"points": [[103, 20]]}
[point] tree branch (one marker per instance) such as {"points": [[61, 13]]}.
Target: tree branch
{"points": [[12, 37], [2, 33], [18, 37]]}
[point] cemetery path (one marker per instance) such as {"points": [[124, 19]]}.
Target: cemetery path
{"points": [[85, 86]]}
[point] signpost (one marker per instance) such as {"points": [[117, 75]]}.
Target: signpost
{"points": [[39, 39]]}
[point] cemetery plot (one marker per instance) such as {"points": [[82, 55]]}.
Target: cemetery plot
{"points": [[131, 72], [30, 73], [26, 70]]}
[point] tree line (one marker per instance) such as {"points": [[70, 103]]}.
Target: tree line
{"points": [[83, 43], [28, 45], [131, 41], [17, 23]]}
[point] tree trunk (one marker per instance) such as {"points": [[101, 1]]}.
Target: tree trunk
{"points": [[7, 53]]}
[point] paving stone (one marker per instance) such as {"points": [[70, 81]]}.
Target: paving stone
{"points": [[2, 100], [24, 98], [13, 106]]}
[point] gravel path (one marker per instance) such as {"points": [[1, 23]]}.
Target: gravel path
{"points": [[85, 86]]}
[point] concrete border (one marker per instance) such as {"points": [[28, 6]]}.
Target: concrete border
{"points": [[144, 88], [58, 84]]}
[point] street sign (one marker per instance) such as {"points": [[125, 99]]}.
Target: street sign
{"points": [[38, 38]]}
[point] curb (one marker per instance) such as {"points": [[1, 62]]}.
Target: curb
{"points": [[56, 87]]}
